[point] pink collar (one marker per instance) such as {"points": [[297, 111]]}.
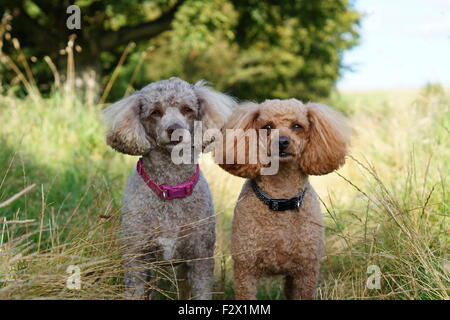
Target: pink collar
{"points": [[169, 192]]}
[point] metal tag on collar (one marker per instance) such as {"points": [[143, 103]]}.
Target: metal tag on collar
{"points": [[273, 205], [166, 192]]}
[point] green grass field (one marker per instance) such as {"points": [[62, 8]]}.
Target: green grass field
{"points": [[388, 206]]}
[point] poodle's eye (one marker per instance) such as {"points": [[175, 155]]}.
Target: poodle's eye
{"points": [[156, 113], [186, 110], [297, 127], [268, 127]]}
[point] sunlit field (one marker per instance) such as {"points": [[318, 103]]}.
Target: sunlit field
{"points": [[388, 206]]}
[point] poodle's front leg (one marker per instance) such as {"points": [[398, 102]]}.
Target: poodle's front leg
{"points": [[244, 282], [135, 246], [184, 289], [302, 286], [201, 278], [135, 277]]}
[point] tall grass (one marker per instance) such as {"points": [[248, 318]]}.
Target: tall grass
{"points": [[388, 206]]}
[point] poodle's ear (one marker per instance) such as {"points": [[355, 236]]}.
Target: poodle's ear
{"points": [[125, 132], [236, 140], [328, 140], [215, 107]]}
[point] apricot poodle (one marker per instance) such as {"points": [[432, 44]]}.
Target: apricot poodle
{"points": [[277, 225]]}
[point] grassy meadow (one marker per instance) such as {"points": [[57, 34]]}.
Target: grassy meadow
{"points": [[388, 206]]}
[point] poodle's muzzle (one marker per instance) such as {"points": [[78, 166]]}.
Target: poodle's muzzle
{"points": [[283, 143], [172, 126], [170, 130]]}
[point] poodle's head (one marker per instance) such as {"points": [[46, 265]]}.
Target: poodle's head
{"points": [[147, 118], [312, 136]]}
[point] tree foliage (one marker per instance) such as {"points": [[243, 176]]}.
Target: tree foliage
{"points": [[250, 48]]}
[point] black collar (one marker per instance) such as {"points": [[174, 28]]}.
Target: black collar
{"points": [[279, 204]]}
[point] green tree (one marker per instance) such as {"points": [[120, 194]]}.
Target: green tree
{"points": [[253, 49], [106, 26]]}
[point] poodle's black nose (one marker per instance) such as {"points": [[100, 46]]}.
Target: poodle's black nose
{"points": [[172, 128], [283, 142]]}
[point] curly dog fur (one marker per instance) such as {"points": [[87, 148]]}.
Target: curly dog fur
{"points": [[175, 230], [290, 243]]}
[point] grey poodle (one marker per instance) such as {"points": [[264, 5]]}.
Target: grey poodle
{"points": [[159, 224]]}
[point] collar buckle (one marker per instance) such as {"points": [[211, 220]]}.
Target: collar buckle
{"points": [[279, 204], [273, 205]]}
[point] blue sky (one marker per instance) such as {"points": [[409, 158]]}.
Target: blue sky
{"points": [[404, 44]]}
